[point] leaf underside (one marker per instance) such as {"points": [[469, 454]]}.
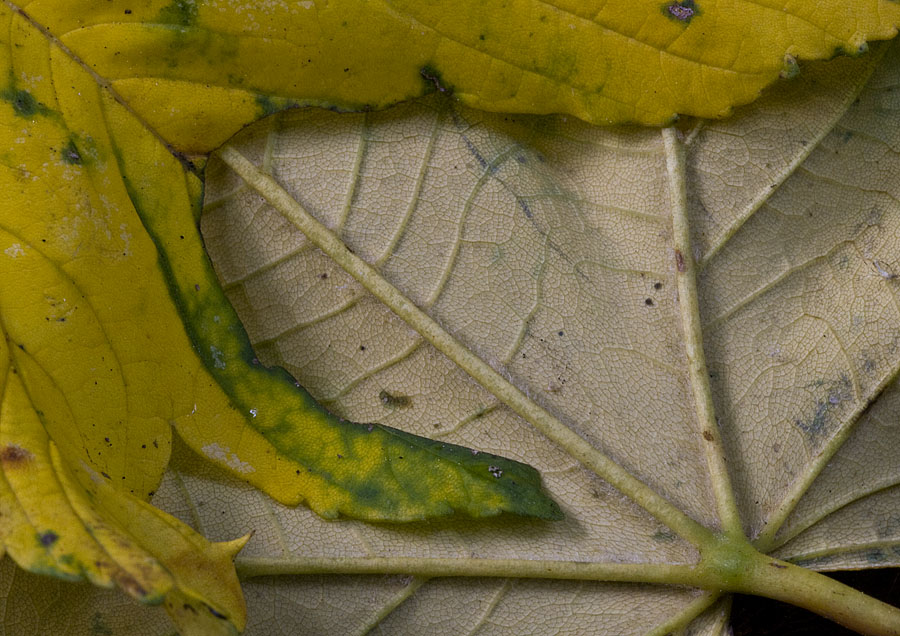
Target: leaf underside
{"points": [[509, 231], [416, 191]]}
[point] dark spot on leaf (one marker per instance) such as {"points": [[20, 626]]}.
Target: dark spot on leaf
{"points": [[127, 11], [777, 565], [816, 424], [215, 613], [70, 154], [679, 261], [708, 436], [681, 10], [189, 608], [105, 475], [369, 492], [875, 556], [98, 625], [649, 302], [48, 538], [664, 536], [394, 401], [560, 333], [13, 455], [267, 106], [24, 104], [433, 77], [525, 208], [362, 347], [657, 285]]}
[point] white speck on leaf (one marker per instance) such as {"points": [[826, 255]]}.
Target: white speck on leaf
{"points": [[218, 357], [224, 455], [14, 250]]}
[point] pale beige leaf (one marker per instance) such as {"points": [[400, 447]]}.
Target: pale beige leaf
{"points": [[547, 248]]}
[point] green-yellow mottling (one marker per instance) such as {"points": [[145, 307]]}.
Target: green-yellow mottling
{"points": [[195, 71]]}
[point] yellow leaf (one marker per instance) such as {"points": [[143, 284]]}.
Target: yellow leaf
{"points": [[115, 330], [72, 524], [198, 71]]}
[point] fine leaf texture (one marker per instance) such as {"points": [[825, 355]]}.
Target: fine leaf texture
{"points": [[110, 339], [545, 246], [195, 71], [82, 443], [514, 235]]}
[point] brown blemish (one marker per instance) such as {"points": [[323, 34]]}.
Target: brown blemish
{"points": [[708, 436], [679, 261], [13, 456], [130, 585]]}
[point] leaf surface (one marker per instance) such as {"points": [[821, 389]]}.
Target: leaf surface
{"points": [[115, 330], [555, 287], [197, 71], [511, 234]]}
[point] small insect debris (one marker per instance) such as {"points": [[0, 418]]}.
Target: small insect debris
{"points": [[885, 274], [496, 471]]}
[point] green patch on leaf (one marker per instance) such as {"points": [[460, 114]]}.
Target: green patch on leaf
{"points": [[434, 80], [364, 471], [269, 104], [179, 13], [71, 155], [24, 104]]}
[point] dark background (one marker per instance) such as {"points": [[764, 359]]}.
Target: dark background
{"points": [[755, 616]]}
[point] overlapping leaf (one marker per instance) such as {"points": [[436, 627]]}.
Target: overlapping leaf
{"points": [[563, 255], [513, 234], [196, 71]]}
